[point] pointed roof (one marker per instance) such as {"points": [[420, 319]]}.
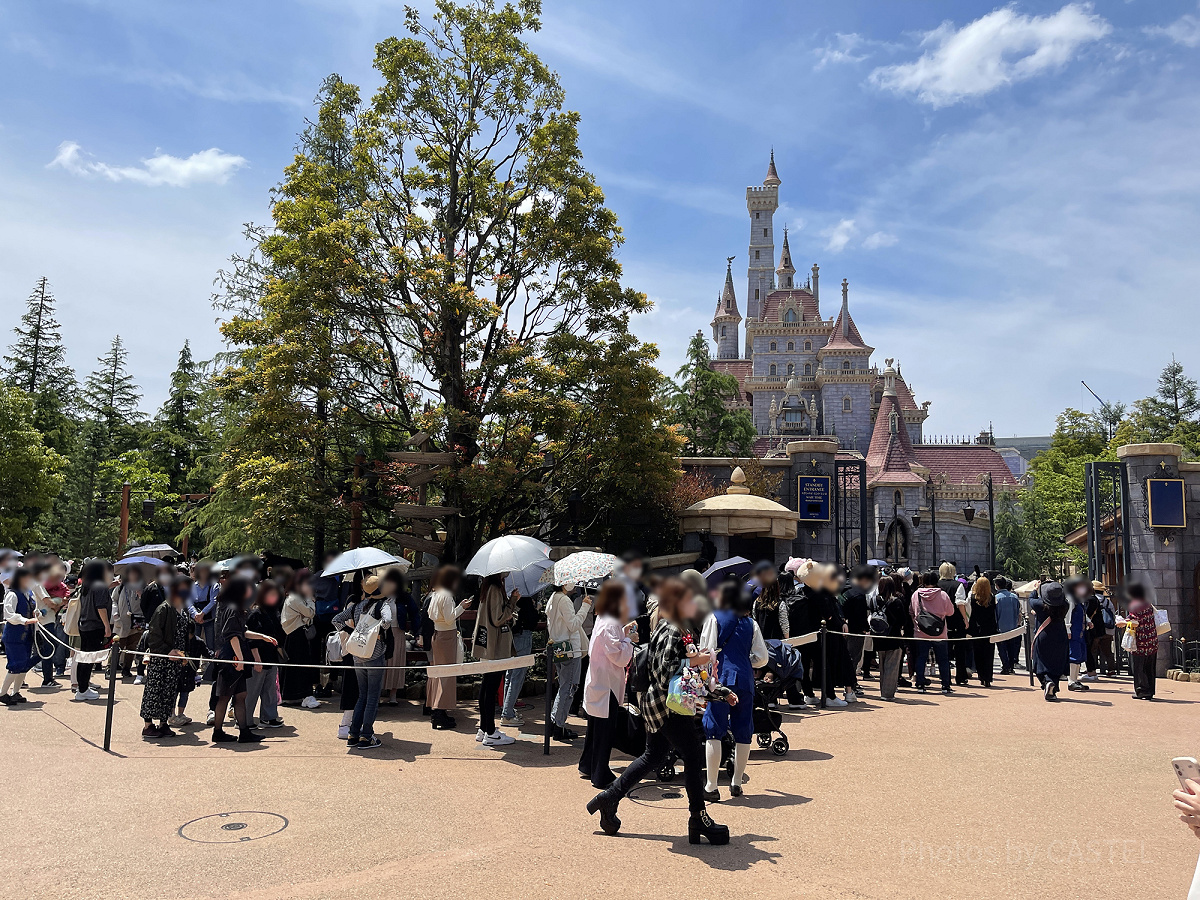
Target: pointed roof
{"points": [[891, 455], [845, 334], [727, 302], [772, 179], [785, 258]]}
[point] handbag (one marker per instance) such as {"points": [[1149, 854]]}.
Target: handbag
{"points": [[335, 647], [927, 622], [1128, 640], [684, 690], [1161, 623], [639, 675], [561, 650], [361, 642]]}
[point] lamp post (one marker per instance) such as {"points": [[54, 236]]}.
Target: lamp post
{"points": [[931, 487], [986, 479]]}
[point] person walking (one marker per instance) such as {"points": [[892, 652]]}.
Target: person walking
{"points": [[1050, 644], [1079, 591], [166, 639], [523, 626], [665, 728], [492, 640], [1008, 617], [891, 602], [20, 619], [564, 627], [733, 638], [127, 622], [931, 609], [981, 626], [1143, 655], [95, 601], [262, 688], [408, 619], [297, 682], [611, 650], [446, 645], [368, 669]]}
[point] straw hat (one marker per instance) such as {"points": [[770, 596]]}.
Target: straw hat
{"points": [[1098, 586], [370, 585]]}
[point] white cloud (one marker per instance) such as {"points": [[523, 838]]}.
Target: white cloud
{"points": [[842, 50], [1184, 30], [879, 239], [208, 166], [839, 235], [1000, 48]]}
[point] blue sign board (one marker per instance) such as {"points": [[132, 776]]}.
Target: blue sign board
{"points": [[1166, 501], [812, 497]]}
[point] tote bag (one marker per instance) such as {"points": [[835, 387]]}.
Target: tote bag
{"points": [[361, 642], [335, 647], [1161, 623], [684, 690]]}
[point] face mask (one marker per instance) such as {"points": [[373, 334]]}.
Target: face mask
{"points": [[634, 572]]}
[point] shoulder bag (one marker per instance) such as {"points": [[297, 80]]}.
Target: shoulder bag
{"points": [[927, 622]]}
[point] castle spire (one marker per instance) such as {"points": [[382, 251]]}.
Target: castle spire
{"points": [[845, 316], [786, 270], [772, 179], [726, 319]]}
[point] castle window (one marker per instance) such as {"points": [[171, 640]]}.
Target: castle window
{"points": [[846, 405], [756, 254], [878, 397], [722, 331], [774, 346], [773, 370], [764, 232], [898, 499], [756, 293], [846, 364], [756, 215], [789, 281], [791, 345], [791, 369], [790, 317], [808, 368], [808, 345]]}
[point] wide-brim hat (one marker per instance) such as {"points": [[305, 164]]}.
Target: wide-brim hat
{"points": [[1098, 585], [370, 585]]}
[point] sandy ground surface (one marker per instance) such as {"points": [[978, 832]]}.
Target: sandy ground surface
{"points": [[989, 793]]}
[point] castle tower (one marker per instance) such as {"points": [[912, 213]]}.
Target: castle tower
{"points": [[761, 203], [726, 319], [786, 271]]}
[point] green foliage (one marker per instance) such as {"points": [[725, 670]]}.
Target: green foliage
{"points": [[37, 360], [31, 474], [111, 397], [700, 407], [1015, 555], [179, 434], [1171, 415]]}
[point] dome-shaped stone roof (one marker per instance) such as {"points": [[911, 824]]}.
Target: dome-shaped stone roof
{"points": [[737, 511]]}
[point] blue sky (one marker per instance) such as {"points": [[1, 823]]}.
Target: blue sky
{"points": [[1010, 190]]}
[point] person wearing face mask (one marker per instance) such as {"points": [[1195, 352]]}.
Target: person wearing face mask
{"points": [[234, 660], [166, 638], [636, 595], [665, 728], [127, 616], [19, 622], [202, 606], [296, 683], [154, 594], [1079, 591], [564, 627], [262, 685]]}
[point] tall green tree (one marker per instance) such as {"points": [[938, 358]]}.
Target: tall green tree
{"points": [[1015, 554], [110, 395], [36, 363], [444, 253], [701, 405], [177, 434], [1171, 415], [31, 474]]}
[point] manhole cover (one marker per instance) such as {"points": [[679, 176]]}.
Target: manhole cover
{"points": [[233, 827], [658, 795]]}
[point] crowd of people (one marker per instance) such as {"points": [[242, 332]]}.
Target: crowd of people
{"points": [[666, 668]]}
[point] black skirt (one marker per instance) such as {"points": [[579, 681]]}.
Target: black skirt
{"points": [[230, 682]]}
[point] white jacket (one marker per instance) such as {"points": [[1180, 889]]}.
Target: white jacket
{"points": [[563, 623]]}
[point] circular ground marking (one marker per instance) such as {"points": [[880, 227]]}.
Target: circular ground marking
{"points": [[659, 795], [232, 827]]}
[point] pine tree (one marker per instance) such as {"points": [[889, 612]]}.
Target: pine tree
{"points": [[177, 437], [110, 395], [36, 361], [701, 407], [1014, 549]]}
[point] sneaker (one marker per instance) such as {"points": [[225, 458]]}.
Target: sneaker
{"points": [[498, 739], [1077, 686], [368, 743], [512, 721], [480, 734], [835, 703], [248, 737], [343, 732], [1090, 676], [210, 718], [947, 692], [272, 723], [179, 721], [811, 701], [19, 698], [139, 680], [851, 697], [89, 694], [310, 702], [797, 705]]}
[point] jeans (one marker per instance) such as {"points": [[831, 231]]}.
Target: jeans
{"points": [[489, 688], [514, 679], [567, 672], [370, 685], [261, 686], [1010, 653], [941, 652], [679, 732], [854, 648]]}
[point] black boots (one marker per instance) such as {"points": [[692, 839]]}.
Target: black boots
{"points": [[700, 825], [441, 720], [606, 803]]}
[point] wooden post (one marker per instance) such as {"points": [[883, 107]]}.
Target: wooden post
{"points": [[125, 489]]}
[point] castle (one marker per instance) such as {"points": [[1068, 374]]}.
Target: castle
{"points": [[801, 374], [819, 406]]}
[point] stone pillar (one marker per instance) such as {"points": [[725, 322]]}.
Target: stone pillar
{"points": [[1151, 560], [803, 454]]}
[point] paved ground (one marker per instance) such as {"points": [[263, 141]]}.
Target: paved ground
{"points": [[984, 794]]}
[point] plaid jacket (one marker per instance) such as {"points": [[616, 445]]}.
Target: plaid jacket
{"points": [[666, 656]]}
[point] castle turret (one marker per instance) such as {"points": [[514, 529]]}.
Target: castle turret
{"points": [[726, 319], [786, 271], [761, 203]]}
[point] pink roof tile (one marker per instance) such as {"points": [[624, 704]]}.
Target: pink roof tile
{"points": [[851, 340], [890, 455], [903, 394], [964, 464], [772, 308]]}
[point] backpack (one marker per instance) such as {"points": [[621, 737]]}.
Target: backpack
{"points": [[427, 628], [639, 672], [877, 621]]}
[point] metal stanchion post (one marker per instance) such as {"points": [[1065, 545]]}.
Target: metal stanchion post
{"points": [[549, 702], [114, 661], [1029, 649], [824, 668]]}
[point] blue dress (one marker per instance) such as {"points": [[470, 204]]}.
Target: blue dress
{"points": [[1078, 634], [18, 639], [735, 636]]}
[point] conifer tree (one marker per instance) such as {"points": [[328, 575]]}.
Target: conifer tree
{"points": [[37, 359]]}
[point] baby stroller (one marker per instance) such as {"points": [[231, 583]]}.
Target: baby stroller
{"points": [[783, 667]]}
